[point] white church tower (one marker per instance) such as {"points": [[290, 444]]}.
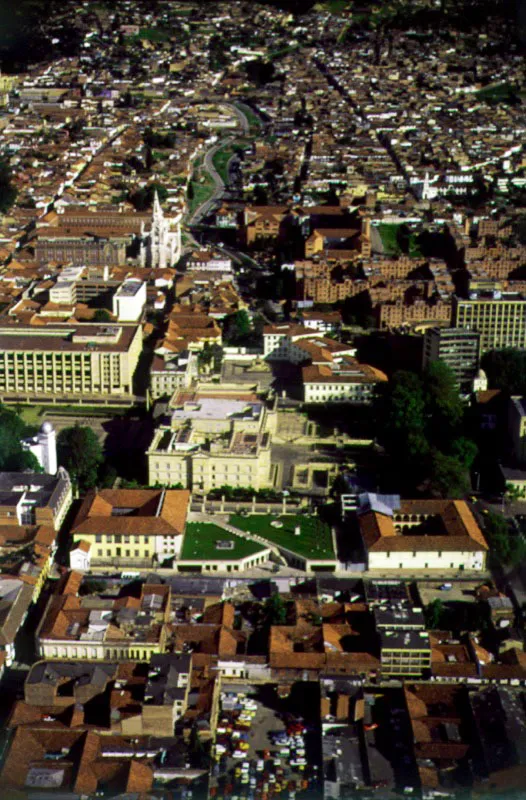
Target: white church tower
{"points": [[163, 241], [44, 448]]}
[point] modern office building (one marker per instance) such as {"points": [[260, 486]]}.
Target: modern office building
{"points": [[129, 300], [67, 362], [405, 653], [458, 348], [499, 318]]}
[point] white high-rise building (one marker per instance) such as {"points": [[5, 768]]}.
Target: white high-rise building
{"points": [[161, 245], [44, 448], [129, 300]]}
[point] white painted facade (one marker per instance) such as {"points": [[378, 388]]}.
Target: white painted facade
{"points": [[129, 300], [226, 565], [427, 559], [44, 448], [161, 245], [338, 391], [80, 559], [167, 546]]}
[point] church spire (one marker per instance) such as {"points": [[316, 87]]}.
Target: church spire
{"points": [[157, 210]]}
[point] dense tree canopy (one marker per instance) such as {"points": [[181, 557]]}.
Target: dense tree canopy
{"points": [[12, 430], [506, 370], [142, 199], [237, 328], [421, 426], [102, 315], [507, 546], [7, 190], [79, 451]]}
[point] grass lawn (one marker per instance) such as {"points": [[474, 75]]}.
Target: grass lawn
{"points": [[333, 6], [283, 51], [314, 541], [253, 119], [151, 35], [200, 543], [498, 93], [86, 411], [220, 161], [414, 250], [32, 415], [202, 192], [389, 236]]}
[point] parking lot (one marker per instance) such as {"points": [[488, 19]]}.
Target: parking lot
{"points": [[261, 748], [460, 592]]}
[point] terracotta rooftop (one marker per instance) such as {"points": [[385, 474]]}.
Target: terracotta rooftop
{"points": [[144, 512], [456, 528]]}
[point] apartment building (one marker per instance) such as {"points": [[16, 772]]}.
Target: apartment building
{"points": [[499, 318], [117, 628], [330, 373], [63, 362], [405, 653], [458, 348], [344, 380], [30, 498]]}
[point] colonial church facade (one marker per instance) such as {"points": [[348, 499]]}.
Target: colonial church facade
{"points": [[161, 244]]}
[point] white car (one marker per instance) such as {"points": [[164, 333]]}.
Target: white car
{"points": [[238, 754]]}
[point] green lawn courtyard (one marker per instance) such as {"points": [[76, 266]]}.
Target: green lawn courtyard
{"points": [[220, 161], [389, 236], [200, 544], [313, 542]]}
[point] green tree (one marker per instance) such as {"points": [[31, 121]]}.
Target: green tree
{"points": [[101, 315], [142, 199], [507, 547], [404, 427], [275, 610], [465, 450], [443, 405], [79, 451], [21, 461], [12, 430], [7, 191], [506, 370], [434, 614], [448, 476], [237, 327]]}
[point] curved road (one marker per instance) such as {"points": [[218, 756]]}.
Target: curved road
{"points": [[208, 165]]}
